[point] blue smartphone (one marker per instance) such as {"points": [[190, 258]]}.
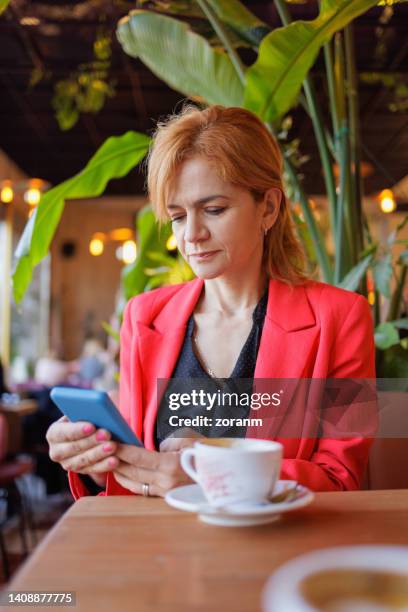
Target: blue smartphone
{"points": [[95, 407]]}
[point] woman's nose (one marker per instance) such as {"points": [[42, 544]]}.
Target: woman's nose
{"points": [[195, 230]]}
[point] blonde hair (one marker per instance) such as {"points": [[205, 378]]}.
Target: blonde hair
{"points": [[243, 153]]}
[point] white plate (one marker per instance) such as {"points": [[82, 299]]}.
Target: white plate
{"points": [[191, 499], [282, 589]]}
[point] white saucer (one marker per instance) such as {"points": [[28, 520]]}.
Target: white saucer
{"points": [[283, 592], [191, 499]]}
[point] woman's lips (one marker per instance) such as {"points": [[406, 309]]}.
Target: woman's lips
{"points": [[204, 255]]}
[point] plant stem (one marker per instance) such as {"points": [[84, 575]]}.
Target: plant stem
{"points": [[318, 125], [315, 233], [340, 267], [397, 296], [343, 235], [356, 187], [317, 120], [224, 38], [377, 311], [328, 60]]}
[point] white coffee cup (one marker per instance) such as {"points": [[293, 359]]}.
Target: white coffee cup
{"points": [[232, 470]]}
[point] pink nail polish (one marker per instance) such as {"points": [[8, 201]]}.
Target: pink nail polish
{"points": [[107, 448], [101, 435], [87, 429], [111, 461]]}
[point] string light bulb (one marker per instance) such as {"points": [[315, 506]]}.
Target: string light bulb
{"points": [[387, 201], [129, 251], [33, 194], [97, 244], [7, 192]]}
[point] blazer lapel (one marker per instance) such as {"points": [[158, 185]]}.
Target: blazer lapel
{"points": [[286, 354], [288, 333], [159, 349]]}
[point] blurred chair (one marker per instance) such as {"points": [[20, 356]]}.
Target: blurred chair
{"points": [[10, 471]]}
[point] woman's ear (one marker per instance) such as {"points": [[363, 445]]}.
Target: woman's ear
{"points": [[273, 200]]}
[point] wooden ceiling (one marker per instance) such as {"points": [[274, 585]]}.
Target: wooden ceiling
{"points": [[63, 38]]}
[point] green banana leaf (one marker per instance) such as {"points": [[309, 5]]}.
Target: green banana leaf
{"points": [[3, 5], [382, 275], [179, 57], [235, 15], [114, 159], [287, 54], [150, 239], [190, 10], [352, 280]]}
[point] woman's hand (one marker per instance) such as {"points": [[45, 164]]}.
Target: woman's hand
{"points": [[80, 447], [161, 471]]}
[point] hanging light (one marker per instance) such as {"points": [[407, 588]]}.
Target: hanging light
{"points": [[121, 234], [7, 192], [129, 251], [33, 194], [97, 244], [171, 244], [30, 21], [387, 201]]}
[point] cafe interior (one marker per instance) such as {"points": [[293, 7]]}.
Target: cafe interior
{"points": [[83, 86]]}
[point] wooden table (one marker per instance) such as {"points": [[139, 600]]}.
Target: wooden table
{"points": [[135, 553]]}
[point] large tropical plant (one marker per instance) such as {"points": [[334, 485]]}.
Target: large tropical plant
{"points": [[209, 69]]}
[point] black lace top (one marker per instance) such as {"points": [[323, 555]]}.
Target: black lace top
{"points": [[189, 374]]}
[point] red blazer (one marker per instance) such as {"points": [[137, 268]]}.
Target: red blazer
{"points": [[310, 331]]}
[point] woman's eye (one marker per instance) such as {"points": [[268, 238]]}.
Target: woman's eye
{"points": [[176, 219], [215, 211]]}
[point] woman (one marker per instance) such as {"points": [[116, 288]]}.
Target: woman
{"points": [[251, 312]]}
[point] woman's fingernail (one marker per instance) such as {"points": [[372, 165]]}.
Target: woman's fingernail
{"points": [[111, 461], [87, 429], [107, 448], [101, 435]]}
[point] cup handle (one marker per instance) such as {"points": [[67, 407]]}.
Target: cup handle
{"points": [[187, 455]]}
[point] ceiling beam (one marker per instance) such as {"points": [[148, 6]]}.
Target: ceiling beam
{"points": [[25, 108], [136, 88], [92, 130]]}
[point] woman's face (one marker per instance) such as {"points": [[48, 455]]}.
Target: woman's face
{"points": [[218, 226]]}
